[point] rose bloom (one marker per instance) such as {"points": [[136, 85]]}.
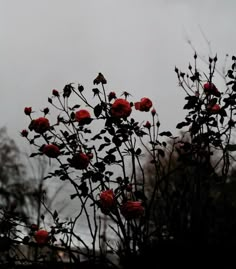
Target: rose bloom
{"points": [[24, 133], [144, 105], [121, 108], [41, 237], [28, 111], [40, 125], [83, 116], [210, 88], [79, 161], [132, 209], [52, 151], [215, 109], [107, 199]]}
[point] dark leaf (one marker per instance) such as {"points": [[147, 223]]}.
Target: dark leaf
{"points": [[234, 87], [182, 124], [231, 147], [166, 134], [102, 146], [230, 74], [106, 139], [230, 82], [110, 158], [97, 177], [34, 154], [161, 152], [55, 214], [84, 189], [75, 106], [100, 166], [97, 110], [96, 137], [140, 195], [138, 151], [73, 196]]}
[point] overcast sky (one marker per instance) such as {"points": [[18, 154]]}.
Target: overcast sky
{"points": [[134, 43]]}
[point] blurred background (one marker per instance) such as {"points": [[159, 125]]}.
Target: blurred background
{"points": [[136, 44]]}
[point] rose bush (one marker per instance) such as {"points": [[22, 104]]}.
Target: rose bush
{"points": [[100, 149]]}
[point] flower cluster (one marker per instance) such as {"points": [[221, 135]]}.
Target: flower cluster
{"points": [[106, 169], [87, 161]]}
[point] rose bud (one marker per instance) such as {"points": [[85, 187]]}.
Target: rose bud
{"points": [[111, 95], [28, 111], [24, 133], [153, 112], [147, 125], [55, 93]]}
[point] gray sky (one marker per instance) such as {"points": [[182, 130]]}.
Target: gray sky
{"points": [[134, 43]]}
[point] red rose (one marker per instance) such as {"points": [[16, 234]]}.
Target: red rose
{"points": [[28, 111], [111, 95], [210, 88], [215, 109], [121, 108], [79, 161], [107, 199], [52, 151], [24, 133], [132, 209], [40, 125], [144, 105], [83, 116], [41, 237], [55, 93]]}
